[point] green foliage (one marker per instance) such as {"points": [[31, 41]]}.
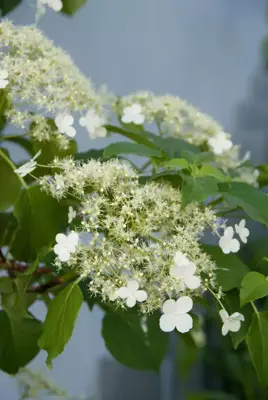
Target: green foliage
{"points": [[18, 341], [186, 354], [132, 345], [198, 189], [250, 199], [60, 321], [254, 286], [8, 5], [179, 163], [131, 148], [9, 182], [230, 269], [211, 395], [258, 345], [40, 218], [9, 226], [71, 6]]}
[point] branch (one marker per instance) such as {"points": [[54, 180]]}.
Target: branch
{"points": [[21, 267], [46, 286]]}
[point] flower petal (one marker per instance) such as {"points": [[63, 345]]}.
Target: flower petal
{"points": [[133, 285], [229, 232], [224, 315], [184, 323], [123, 292], [224, 329], [234, 245], [192, 282], [61, 238], [169, 306], [190, 269], [83, 121], [139, 119], [73, 239], [141, 295], [177, 272], [131, 301], [184, 304], [68, 119], [234, 325], [237, 316], [167, 323], [64, 255], [71, 131]]}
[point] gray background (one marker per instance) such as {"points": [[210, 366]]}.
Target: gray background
{"points": [[206, 51]]}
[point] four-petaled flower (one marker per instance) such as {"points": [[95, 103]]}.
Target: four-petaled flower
{"points": [[227, 243], [71, 214], [3, 78], [133, 114], [66, 245], [64, 124], [131, 293], [28, 167], [94, 124], [56, 5], [242, 231], [176, 315], [231, 323], [184, 270], [220, 143]]}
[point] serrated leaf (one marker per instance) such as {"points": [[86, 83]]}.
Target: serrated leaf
{"points": [[258, 345], [18, 342], [60, 321], [254, 286], [175, 148], [131, 148], [230, 270], [130, 344], [198, 189], [10, 183], [210, 170], [252, 200], [40, 218]]}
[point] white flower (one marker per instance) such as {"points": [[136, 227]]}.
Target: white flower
{"points": [[56, 5], [220, 143], [131, 294], [66, 245], [28, 167], [227, 243], [176, 315], [3, 78], [242, 231], [133, 114], [59, 182], [64, 124], [231, 323], [93, 123], [71, 214], [184, 270]]}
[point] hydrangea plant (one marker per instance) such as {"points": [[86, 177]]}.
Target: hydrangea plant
{"points": [[129, 238]]}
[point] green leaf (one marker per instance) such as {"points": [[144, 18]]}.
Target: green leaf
{"points": [[8, 228], [131, 148], [210, 170], [88, 298], [211, 395], [232, 303], [10, 183], [71, 6], [180, 163], [40, 218], [198, 189], [258, 345], [6, 285], [186, 354], [18, 341], [175, 148], [130, 344], [88, 155], [252, 200], [230, 269], [26, 144], [8, 5], [254, 286], [60, 321], [141, 138]]}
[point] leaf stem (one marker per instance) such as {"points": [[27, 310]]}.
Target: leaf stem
{"points": [[215, 296], [10, 137], [13, 166]]}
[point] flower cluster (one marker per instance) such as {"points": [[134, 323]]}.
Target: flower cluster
{"points": [[228, 243], [177, 118], [137, 244], [44, 86]]}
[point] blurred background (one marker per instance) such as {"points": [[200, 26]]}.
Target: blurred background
{"points": [[205, 51]]}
